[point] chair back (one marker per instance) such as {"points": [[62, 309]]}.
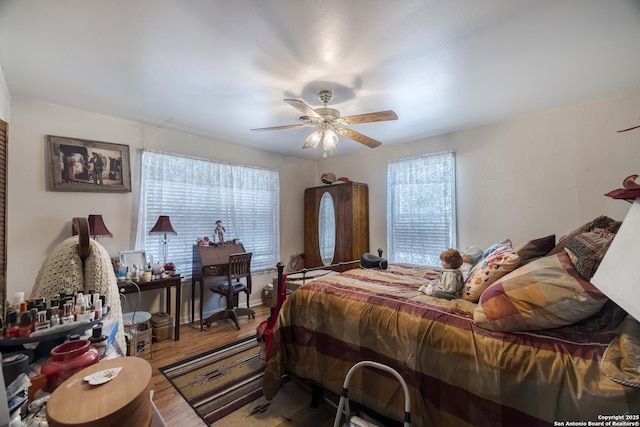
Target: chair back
{"points": [[240, 266]]}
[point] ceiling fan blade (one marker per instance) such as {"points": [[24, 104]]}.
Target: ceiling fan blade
{"points": [[379, 116], [625, 130], [281, 127], [303, 107], [358, 137]]}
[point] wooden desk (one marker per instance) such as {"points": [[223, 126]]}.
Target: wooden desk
{"points": [[168, 283], [211, 260]]}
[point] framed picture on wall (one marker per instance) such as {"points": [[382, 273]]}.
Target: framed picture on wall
{"points": [[84, 165]]}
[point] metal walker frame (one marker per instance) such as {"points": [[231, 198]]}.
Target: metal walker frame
{"points": [[343, 406]]}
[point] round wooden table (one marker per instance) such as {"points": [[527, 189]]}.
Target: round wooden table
{"points": [[122, 401]]}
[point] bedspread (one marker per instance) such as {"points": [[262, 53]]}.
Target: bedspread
{"points": [[458, 373]]}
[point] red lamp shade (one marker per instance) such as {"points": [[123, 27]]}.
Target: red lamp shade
{"points": [[163, 225], [97, 227]]}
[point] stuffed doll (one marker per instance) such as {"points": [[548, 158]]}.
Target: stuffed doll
{"points": [[219, 231], [451, 282]]}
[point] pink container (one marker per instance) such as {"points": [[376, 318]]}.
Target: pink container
{"points": [[67, 359]]}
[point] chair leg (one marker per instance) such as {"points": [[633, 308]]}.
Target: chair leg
{"points": [[244, 312], [234, 316], [220, 315], [252, 316], [232, 312]]}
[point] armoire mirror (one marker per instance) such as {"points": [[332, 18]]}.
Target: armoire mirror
{"points": [[327, 229]]}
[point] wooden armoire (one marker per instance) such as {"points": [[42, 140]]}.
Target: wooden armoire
{"points": [[351, 207]]}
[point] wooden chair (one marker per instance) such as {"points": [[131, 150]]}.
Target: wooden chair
{"points": [[239, 267]]}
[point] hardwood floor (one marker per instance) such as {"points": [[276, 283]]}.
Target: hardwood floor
{"points": [[174, 409]]}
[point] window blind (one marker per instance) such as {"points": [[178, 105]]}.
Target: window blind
{"points": [[195, 193], [421, 216]]}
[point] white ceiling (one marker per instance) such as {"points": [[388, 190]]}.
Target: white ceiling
{"points": [[218, 68]]}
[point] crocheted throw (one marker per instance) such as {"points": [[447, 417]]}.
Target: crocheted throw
{"points": [[62, 270]]}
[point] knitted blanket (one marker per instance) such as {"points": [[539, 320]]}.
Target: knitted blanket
{"points": [[62, 270]]}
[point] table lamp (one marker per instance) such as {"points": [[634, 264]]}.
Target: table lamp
{"points": [[97, 227], [163, 226]]}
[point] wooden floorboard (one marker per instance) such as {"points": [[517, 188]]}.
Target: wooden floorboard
{"points": [[172, 406]]}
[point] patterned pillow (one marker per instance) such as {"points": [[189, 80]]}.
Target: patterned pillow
{"points": [[586, 250], [600, 222], [485, 254], [491, 249], [528, 251], [546, 293], [502, 261]]}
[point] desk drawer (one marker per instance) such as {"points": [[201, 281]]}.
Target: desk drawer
{"points": [[213, 270]]}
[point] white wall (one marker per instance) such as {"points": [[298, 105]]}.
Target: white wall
{"points": [[523, 178], [520, 179], [40, 219]]}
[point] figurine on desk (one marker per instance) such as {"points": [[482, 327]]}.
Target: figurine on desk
{"points": [[219, 231]]}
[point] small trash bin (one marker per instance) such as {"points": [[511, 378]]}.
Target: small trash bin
{"points": [[162, 324]]}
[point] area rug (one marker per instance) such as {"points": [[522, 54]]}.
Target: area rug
{"points": [[224, 387]]}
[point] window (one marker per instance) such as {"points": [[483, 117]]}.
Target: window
{"points": [[421, 216], [195, 193]]}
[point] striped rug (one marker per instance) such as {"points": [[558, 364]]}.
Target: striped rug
{"points": [[224, 387]]}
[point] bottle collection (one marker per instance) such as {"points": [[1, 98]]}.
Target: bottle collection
{"points": [[138, 273], [25, 317]]}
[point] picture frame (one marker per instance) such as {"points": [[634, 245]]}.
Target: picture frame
{"points": [[131, 258], [83, 165]]}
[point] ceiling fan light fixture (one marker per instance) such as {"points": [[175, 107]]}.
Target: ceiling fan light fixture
{"points": [[313, 140], [330, 140]]}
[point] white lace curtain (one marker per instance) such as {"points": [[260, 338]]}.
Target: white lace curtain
{"points": [[195, 193], [421, 214]]}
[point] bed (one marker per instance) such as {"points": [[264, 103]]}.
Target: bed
{"points": [[458, 372]]}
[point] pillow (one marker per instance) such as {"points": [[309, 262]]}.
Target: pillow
{"points": [[472, 254], [600, 222], [546, 293], [497, 264], [586, 250], [536, 248], [608, 318], [491, 249]]}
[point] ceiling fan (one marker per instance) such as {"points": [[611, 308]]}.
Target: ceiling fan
{"points": [[329, 124]]}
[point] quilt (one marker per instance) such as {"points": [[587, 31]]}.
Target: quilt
{"points": [[458, 373]]}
